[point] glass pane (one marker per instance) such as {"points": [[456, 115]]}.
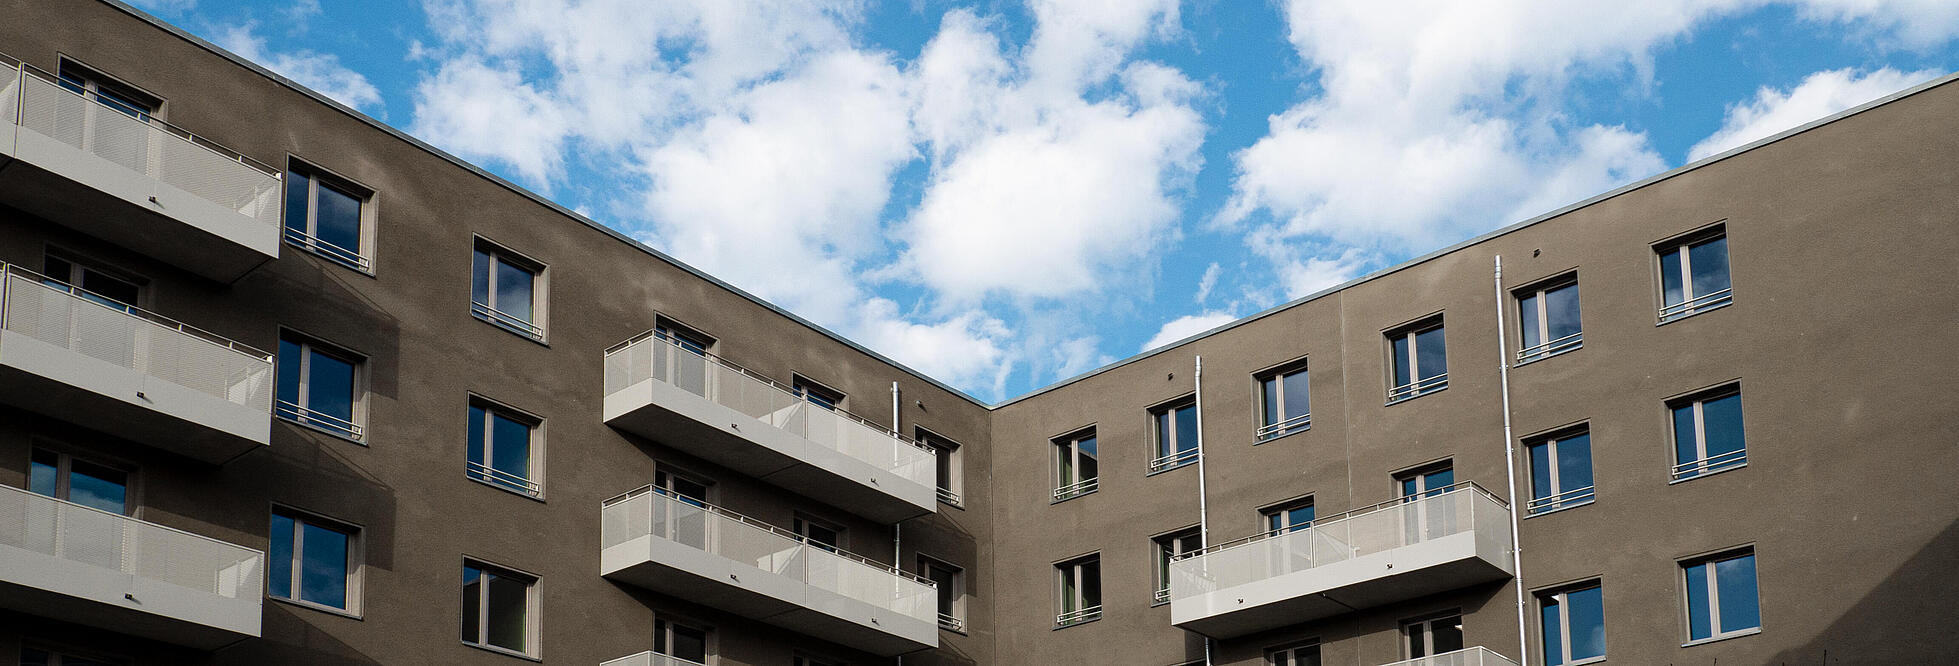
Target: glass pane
{"points": [[1698, 626], [1561, 310], [1740, 608], [1575, 462], [1670, 280], [1710, 263], [1417, 641], [1437, 480], [297, 185], [1300, 517], [1447, 634], [1553, 632], [330, 388], [1089, 469], [1187, 429], [476, 418], [44, 473], [1527, 320], [943, 461], [1540, 471], [1070, 599], [510, 448], [1410, 486], [472, 604], [509, 608], [1721, 421], [1401, 361], [1685, 446], [339, 219], [289, 352], [1432, 353], [1164, 434], [1298, 398], [689, 643], [117, 290], [1269, 392], [1587, 610], [324, 579], [1066, 462], [1091, 584], [279, 574], [514, 291], [479, 281], [96, 486], [35, 657]]}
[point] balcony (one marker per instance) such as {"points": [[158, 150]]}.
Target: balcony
{"points": [[86, 359], [1389, 552], [1476, 656], [718, 411], [73, 563], [650, 659], [133, 180], [690, 550]]}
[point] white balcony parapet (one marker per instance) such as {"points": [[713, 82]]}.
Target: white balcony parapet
{"points": [[130, 367], [1476, 656], [78, 564], [1401, 549], [712, 556], [650, 658], [885, 475]]}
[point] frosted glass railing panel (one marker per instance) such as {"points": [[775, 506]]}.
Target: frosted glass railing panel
{"points": [[91, 536], [1476, 656]]}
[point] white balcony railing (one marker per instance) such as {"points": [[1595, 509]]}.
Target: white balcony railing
{"points": [[717, 531], [652, 355], [1380, 528], [1563, 500], [1697, 305], [1075, 617], [1295, 424], [1710, 464], [1567, 343], [952, 623], [1418, 388], [651, 659], [1476, 656], [1173, 460], [951, 498], [1077, 489], [118, 543], [67, 317], [155, 149]]}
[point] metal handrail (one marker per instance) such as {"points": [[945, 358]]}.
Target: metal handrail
{"points": [[14, 270], [1552, 348], [131, 519], [745, 372], [499, 477], [950, 497], [1470, 486], [520, 325], [1302, 421], [1162, 595], [1482, 654], [1711, 463], [651, 658], [1697, 303], [327, 249], [1077, 489], [787, 534], [950, 622], [1174, 459], [1573, 497], [186, 135], [292, 411], [1075, 617], [1419, 387]]}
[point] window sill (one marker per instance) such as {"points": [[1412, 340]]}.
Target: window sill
{"points": [[324, 431], [1697, 312], [1717, 639], [1290, 432], [317, 607], [1703, 475], [503, 651], [539, 497], [1416, 396], [1567, 507]]}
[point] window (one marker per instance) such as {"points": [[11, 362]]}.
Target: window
{"points": [[1428, 482], [1721, 597], [1285, 404], [320, 386], [1421, 361], [822, 534], [1175, 427], [110, 93], [1573, 623], [1560, 471], [1075, 469], [683, 360], [501, 447], [1694, 276], [33, 656], [1168, 548], [1423, 517], [813, 661], [680, 640], [325, 216], [1548, 318], [951, 470], [951, 582], [313, 561], [684, 519], [506, 290], [1080, 588], [817, 394], [63, 476], [1294, 655], [100, 286], [1289, 517], [499, 609], [1707, 434], [1432, 636]]}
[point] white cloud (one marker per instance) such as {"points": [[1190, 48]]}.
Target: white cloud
{"points": [[1207, 283], [1186, 326], [486, 111], [320, 71], [1819, 95]]}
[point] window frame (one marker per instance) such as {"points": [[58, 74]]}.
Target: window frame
{"points": [[1547, 347], [1681, 245], [1159, 461], [801, 521], [58, 655], [359, 259], [356, 428], [956, 622], [1556, 501], [356, 559], [535, 329], [1164, 549], [1417, 386], [1290, 425], [1702, 468], [952, 481], [1071, 570], [79, 264], [1559, 594], [1071, 486], [532, 485], [1270, 511], [119, 91], [1290, 651], [1427, 621], [65, 457], [663, 625], [1714, 595], [533, 622], [817, 393]]}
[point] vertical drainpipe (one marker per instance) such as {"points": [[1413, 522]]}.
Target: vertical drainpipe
{"points": [[897, 529], [1510, 470], [1203, 513]]}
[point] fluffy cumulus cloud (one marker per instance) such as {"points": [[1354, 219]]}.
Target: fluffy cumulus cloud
{"points": [[1186, 326], [320, 71], [1819, 95]]}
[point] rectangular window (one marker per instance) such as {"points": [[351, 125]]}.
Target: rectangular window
{"points": [[1548, 319], [1294, 655], [506, 290], [1560, 471], [1721, 597], [1080, 587], [1707, 434], [680, 640], [1421, 361], [820, 533], [1431, 636], [1285, 404], [65, 477], [108, 92], [817, 394], [314, 561], [1076, 473], [1289, 517], [325, 216], [1573, 624], [34, 656], [1168, 548], [951, 582], [1427, 520], [502, 449], [683, 360], [951, 470], [93, 283], [1694, 276], [813, 661], [320, 386], [1175, 428], [499, 609]]}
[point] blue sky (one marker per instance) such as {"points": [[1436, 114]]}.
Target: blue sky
{"points": [[1003, 194]]}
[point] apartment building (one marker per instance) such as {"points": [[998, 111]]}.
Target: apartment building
{"points": [[280, 384]]}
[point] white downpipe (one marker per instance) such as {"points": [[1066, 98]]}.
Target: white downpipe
{"points": [[1510, 470], [1203, 511], [898, 528]]}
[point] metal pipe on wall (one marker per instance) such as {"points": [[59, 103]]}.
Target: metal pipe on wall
{"points": [[1510, 471], [1203, 511], [898, 528]]}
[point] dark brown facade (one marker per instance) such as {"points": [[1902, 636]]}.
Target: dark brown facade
{"points": [[1840, 244]]}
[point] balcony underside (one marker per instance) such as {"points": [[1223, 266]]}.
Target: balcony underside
{"points": [[675, 417], [70, 591], [76, 189], [684, 572], [116, 400], [1408, 572]]}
